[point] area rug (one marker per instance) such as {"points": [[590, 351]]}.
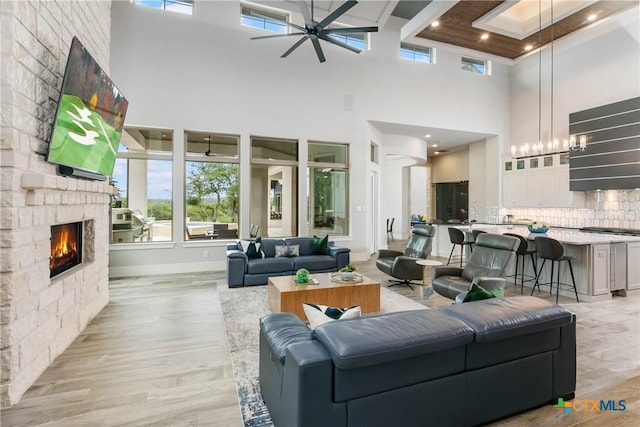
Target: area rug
{"points": [[242, 308]]}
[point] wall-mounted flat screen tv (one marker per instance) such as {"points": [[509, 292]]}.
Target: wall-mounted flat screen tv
{"points": [[89, 119]]}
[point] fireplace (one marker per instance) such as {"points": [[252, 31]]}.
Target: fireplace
{"points": [[66, 247]]}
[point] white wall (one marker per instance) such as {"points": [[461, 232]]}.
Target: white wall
{"points": [[202, 72], [418, 190], [590, 68]]}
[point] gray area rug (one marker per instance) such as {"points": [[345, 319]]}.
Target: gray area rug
{"points": [[242, 308]]}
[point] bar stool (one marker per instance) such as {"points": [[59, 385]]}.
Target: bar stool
{"points": [[457, 238], [551, 249], [521, 253], [390, 229]]}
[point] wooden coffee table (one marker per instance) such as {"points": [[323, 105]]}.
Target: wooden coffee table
{"points": [[285, 296]]}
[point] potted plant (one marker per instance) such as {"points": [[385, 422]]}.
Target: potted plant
{"points": [[348, 272]]}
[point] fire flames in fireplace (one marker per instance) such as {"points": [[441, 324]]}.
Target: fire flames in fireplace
{"points": [[66, 247]]}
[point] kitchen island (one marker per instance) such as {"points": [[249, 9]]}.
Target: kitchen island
{"points": [[604, 263]]}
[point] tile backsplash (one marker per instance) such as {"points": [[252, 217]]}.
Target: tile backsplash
{"points": [[610, 208]]}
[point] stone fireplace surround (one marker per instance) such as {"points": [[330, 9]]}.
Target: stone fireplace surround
{"points": [[39, 316]]}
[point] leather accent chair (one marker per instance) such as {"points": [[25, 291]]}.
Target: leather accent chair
{"points": [[487, 267], [402, 265]]}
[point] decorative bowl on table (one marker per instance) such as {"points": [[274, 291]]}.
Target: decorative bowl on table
{"points": [[538, 227]]}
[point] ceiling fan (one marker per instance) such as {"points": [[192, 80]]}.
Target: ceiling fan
{"points": [[314, 30]]}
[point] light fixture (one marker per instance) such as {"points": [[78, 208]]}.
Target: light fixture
{"points": [[436, 152], [435, 24], [577, 144], [528, 47], [427, 135], [485, 36], [434, 145], [592, 17]]}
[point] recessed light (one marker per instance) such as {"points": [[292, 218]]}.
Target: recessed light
{"points": [[435, 24], [528, 47], [434, 145], [427, 135], [485, 36], [592, 17], [436, 152]]}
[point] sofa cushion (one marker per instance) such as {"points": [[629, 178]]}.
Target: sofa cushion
{"points": [[270, 265], [268, 247], [305, 243], [477, 293], [501, 318], [320, 314], [321, 245], [315, 262], [395, 336]]}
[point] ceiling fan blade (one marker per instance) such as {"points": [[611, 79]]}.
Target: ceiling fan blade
{"points": [[302, 4], [337, 13], [269, 19], [349, 30], [339, 43], [318, 48], [295, 46], [277, 35]]}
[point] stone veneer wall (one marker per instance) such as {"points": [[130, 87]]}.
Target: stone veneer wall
{"points": [[611, 208], [40, 316]]}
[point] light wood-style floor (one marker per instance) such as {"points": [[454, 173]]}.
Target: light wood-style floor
{"points": [[157, 355]]}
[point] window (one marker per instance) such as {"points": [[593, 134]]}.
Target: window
{"points": [[211, 186], [328, 189], [265, 20], [274, 186], [143, 209], [478, 66], [357, 40], [179, 6], [415, 53]]}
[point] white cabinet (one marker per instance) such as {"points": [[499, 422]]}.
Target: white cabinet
{"points": [[633, 266], [529, 183], [600, 261]]}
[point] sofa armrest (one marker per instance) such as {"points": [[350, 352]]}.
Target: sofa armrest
{"points": [[444, 270], [388, 253], [307, 388], [489, 283], [236, 267], [340, 254]]}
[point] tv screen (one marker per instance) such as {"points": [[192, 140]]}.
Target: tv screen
{"points": [[89, 119]]}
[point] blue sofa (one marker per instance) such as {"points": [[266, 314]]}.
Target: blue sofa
{"points": [[463, 365], [242, 271]]}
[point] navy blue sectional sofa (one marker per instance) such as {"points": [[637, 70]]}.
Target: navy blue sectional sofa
{"points": [[242, 271]]}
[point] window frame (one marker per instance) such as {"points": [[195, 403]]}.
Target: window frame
{"points": [[415, 49], [471, 64], [184, 6], [274, 14]]}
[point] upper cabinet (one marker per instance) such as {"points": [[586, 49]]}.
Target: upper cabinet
{"points": [[541, 181]]}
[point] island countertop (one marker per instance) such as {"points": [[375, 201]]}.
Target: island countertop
{"points": [[569, 236]]}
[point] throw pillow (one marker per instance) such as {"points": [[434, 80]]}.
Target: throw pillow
{"points": [[253, 251], [320, 314], [478, 293], [321, 245], [282, 250], [294, 250]]}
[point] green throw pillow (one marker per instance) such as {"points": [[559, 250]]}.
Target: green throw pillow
{"points": [[321, 245], [478, 293], [253, 251]]}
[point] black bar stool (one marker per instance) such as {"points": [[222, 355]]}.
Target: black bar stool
{"points": [[457, 238], [551, 249], [521, 253], [475, 236], [390, 229]]}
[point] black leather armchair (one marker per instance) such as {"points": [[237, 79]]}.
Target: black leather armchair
{"points": [[402, 265], [487, 267]]}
